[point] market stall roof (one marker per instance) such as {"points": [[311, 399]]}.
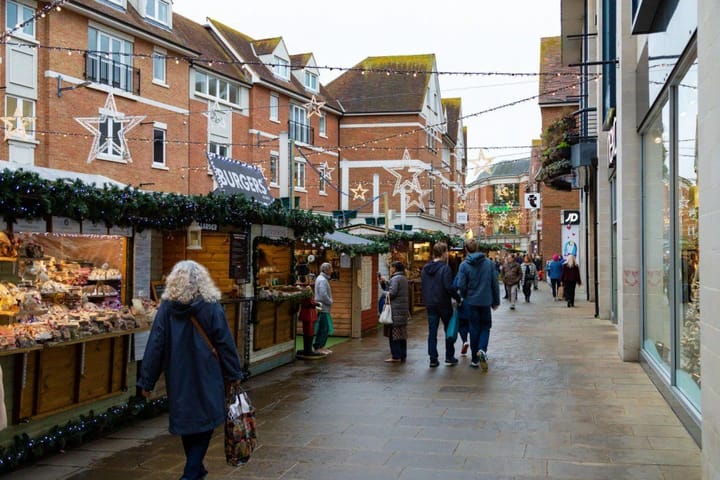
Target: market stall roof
{"points": [[347, 239], [53, 174]]}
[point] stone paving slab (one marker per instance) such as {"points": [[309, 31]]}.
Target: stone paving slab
{"points": [[557, 403]]}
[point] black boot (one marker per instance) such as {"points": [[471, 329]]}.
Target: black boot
{"points": [[307, 352]]}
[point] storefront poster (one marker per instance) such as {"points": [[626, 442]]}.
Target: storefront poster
{"points": [[571, 241]]}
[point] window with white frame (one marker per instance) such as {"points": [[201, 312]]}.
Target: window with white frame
{"points": [[322, 186], [311, 81], [215, 88], [431, 189], [281, 67], [109, 60], [274, 107], [218, 149], [158, 10], [111, 148], [17, 14], [22, 113], [299, 125], [299, 177], [323, 125], [119, 3], [274, 169], [160, 66], [430, 139], [159, 138]]}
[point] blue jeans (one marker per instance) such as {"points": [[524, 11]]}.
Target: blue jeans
{"points": [[480, 324], [463, 328], [435, 314], [195, 445], [322, 331]]}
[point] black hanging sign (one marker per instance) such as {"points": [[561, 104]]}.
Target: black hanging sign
{"points": [[240, 257], [233, 177]]}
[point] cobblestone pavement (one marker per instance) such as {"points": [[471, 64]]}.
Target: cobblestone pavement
{"points": [[556, 403]]}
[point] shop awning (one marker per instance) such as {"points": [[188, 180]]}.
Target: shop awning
{"points": [[234, 177], [53, 174], [347, 239]]}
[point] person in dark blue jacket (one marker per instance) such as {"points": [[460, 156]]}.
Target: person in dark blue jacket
{"points": [[478, 286], [437, 280], [195, 378]]}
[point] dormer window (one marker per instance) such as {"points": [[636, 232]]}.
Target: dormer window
{"points": [[119, 3], [158, 10], [281, 67], [311, 81]]}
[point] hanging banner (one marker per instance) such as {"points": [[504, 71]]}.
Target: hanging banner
{"points": [[571, 241], [234, 177]]}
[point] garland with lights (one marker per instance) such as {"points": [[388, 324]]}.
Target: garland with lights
{"points": [[75, 432], [26, 195]]}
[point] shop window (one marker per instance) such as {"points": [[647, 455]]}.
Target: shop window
{"points": [[658, 240], [17, 14]]}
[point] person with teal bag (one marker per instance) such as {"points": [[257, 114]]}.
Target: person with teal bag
{"points": [[461, 322]]}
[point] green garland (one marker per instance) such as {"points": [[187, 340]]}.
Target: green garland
{"points": [[74, 433], [353, 250], [26, 195]]}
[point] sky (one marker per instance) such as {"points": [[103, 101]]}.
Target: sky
{"points": [[465, 36]]}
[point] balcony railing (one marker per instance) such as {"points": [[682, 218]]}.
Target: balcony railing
{"points": [[586, 125], [101, 69], [301, 132]]}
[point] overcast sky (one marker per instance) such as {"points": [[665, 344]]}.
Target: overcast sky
{"points": [[465, 36]]}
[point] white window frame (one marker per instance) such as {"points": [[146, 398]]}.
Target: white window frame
{"points": [[158, 127], [160, 67], [110, 124], [322, 185], [299, 175], [224, 90], [274, 174], [281, 67], [311, 81], [322, 126], [122, 56], [10, 112], [217, 147], [155, 14], [300, 124], [24, 13], [274, 107], [119, 3]]}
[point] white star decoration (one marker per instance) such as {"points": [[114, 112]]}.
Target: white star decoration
{"points": [[15, 126], [111, 143], [313, 107], [418, 201], [359, 192], [216, 115], [327, 171]]}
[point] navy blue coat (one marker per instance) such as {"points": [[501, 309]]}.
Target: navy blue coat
{"points": [[478, 282], [437, 285], [195, 387]]}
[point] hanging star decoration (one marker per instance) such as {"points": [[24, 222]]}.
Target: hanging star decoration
{"points": [[216, 115], [415, 198], [16, 126], [359, 192], [327, 171], [313, 107], [116, 144], [461, 204]]}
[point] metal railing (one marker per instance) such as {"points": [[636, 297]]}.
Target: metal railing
{"points": [[99, 68], [586, 124], [301, 132]]}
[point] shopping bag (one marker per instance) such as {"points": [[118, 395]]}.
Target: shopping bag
{"points": [[452, 328], [240, 428], [386, 315]]}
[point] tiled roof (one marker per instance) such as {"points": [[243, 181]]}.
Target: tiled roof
{"points": [[300, 60], [377, 92], [132, 19], [551, 62], [452, 108], [509, 168], [202, 40], [248, 49]]}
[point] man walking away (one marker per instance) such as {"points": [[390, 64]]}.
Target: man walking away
{"points": [[478, 286], [511, 278], [437, 289], [323, 296]]}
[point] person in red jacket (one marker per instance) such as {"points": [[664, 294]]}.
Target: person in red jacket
{"points": [[570, 277], [308, 316]]}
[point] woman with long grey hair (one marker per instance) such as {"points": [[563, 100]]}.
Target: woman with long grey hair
{"points": [[195, 370]]}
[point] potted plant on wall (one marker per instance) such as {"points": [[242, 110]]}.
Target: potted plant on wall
{"points": [[555, 156]]}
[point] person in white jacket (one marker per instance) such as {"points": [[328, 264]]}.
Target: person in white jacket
{"points": [[323, 296]]}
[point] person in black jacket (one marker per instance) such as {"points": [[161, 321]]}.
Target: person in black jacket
{"points": [[437, 281]]}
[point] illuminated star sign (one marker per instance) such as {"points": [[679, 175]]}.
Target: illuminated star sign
{"points": [[216, 115], [16, 126], [313, 107], [115, 144], [327, 171], [359, 192]]}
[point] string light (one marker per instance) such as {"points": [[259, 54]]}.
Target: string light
{"points": [[56, 4]]}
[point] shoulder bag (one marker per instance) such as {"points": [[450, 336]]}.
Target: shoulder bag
{"points": [[386, 315]]}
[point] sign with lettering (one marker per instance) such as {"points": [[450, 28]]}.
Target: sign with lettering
{"points": [[570, 217], [612, 144], [234, 177], [462, 218], [240, 256]]}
